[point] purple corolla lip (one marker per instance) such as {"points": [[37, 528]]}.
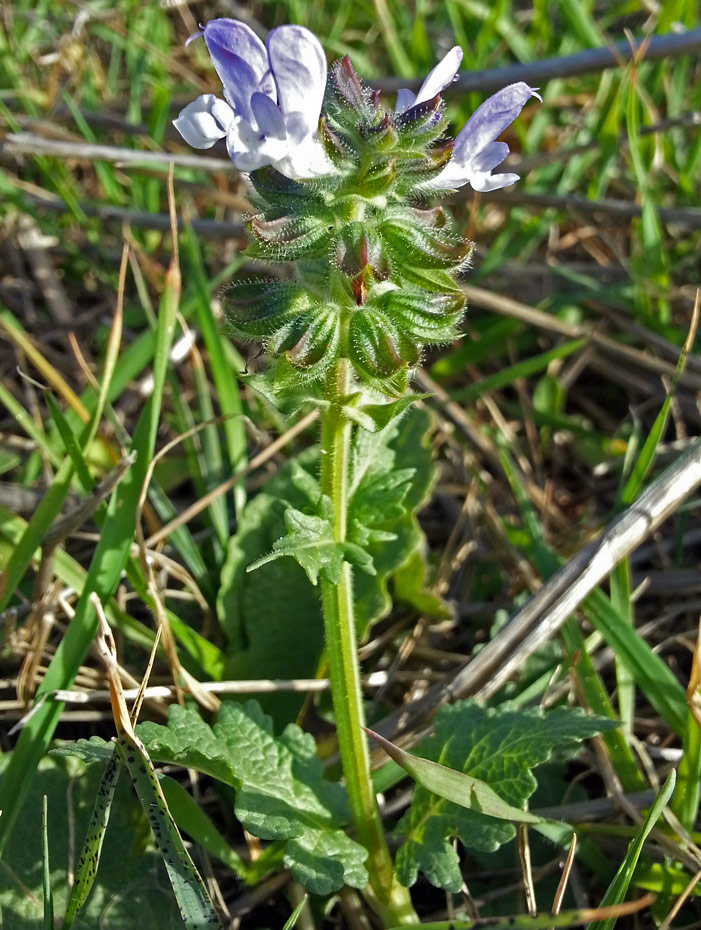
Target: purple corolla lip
{"points": [[476, 152]]}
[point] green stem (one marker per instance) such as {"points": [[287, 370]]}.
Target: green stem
{"points": [[389, 898]]}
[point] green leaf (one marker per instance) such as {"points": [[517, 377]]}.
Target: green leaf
{"points": [[281, 792], [277, 603], [499, 748], [46, 863], [311, 543], [403, 444], [374, 417]]}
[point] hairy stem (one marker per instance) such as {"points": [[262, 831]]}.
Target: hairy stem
{"points": [[390, 899]]}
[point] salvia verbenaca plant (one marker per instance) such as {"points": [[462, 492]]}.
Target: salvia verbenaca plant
{"points": [[343, 187]]}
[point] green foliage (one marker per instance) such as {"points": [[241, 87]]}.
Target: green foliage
{"points": [[310, 538], [392, 474], [281, 792], [499, 747]]}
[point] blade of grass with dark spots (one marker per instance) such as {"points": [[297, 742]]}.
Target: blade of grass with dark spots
{"points": [[89, 860]]}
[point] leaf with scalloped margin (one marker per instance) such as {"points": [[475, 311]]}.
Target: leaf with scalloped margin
{"points": [[499, 746], [281, 792]]}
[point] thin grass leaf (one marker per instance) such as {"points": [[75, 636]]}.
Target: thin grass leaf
{"points": [[654, 678], [465, 790], [291, 921], [190, 892], [685, 802], [512, 373], [222, 373], [48, 922], [16, 334], [594, 692], [92, 847], [616, 891], [538, 922], [190, 817], [70, 443], [48, 509], [25, 421]]}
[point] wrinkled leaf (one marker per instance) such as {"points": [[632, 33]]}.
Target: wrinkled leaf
{"points": [[281, 792], [500, 748]]}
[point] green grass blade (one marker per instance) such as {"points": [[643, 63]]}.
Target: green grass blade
{"points": [[190, 817], [190, 893], [655, 679], [685, 801], [616, 891], [462, 789], [222, 374], [92, 847], [26, 422], [652, 676], [48, 922], [594, 692], [49, 508], [291, 921], [70, 443], [622, 603], [512, 373]]}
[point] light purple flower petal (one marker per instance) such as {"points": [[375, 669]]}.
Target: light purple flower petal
{"points": [[267, 114], [274, 94], [490, 156], [484, 182], [240, 60], [204, 121], [304, 161], [489, 120], [475, 153], [249, 150], [405, 99], [441, 76], [298, 64]]}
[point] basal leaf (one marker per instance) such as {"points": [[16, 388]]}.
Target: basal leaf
{"points": [[498, 747], [281, 792]]}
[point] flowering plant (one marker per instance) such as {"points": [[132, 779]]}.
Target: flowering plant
{"points": [[340, 183]]}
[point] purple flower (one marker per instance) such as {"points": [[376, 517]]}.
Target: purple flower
{"points": [[443, 74], [272, 99], [475, 151]]}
